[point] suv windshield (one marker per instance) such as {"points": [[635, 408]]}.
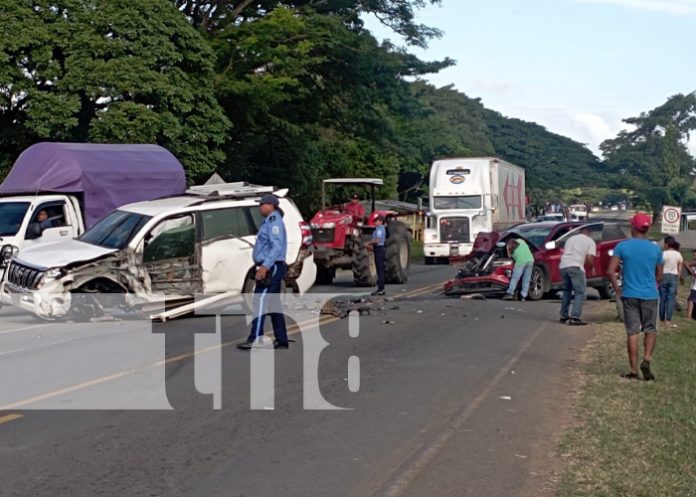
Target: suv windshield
{"points": [[115, 230], [535, 234], [11, 217]]}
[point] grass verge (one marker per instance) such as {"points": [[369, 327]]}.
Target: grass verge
{"points": [[634, 438], [417, 253]]}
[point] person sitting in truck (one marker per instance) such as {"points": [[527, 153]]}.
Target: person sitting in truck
{"points": [[355, 208]]}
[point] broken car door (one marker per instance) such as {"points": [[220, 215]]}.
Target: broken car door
{"points": [[170, 257]]}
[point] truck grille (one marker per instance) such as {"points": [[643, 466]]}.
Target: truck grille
{"points": [[454, 229], [23, 276], [321, 235]]}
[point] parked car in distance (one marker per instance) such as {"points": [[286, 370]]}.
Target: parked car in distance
{"points": [[173, 248], [488, 268], [614, 207], [551, 217], [579, 211]]}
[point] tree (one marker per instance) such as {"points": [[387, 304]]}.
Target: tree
{"points": [[117, 71], [652, 158]]}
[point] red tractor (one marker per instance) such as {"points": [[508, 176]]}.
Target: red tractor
{"points": [[340, 234]]}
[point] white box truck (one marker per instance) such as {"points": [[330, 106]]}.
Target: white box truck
{"points": [[469, 196]]}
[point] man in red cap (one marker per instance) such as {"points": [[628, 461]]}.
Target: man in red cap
{"points": [[642, 264]]}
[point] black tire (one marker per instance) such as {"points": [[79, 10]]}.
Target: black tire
{"points": [[537, 284], [606, 291], [84, 307], [398, 253], [364, 269], [325, 275]]}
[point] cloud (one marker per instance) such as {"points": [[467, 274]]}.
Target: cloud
{"points": [[593, 128], [676, 7]]}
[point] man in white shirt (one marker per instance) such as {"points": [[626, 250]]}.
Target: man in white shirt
{"points": [[579, 250]]}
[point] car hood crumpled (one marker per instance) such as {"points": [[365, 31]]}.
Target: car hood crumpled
{"points": [[61, 254]]}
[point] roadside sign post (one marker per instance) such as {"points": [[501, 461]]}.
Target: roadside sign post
{"points": [[671, 216]]}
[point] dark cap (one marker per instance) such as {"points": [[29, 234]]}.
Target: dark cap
{"points": [[380, 218], [355, 196], [270, 199]]}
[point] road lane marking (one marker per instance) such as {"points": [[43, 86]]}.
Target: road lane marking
{"points": [[10, 417], [15, 330], [292, 330], [408, 471]]}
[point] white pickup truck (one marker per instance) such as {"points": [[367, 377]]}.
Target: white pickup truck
{"points": [[57, 190]]}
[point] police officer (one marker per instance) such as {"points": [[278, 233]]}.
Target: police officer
{"points": [[379, 237], [269, 257]]}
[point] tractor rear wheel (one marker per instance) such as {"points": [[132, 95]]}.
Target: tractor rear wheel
{"points": [[398, 256], [364, 269]]}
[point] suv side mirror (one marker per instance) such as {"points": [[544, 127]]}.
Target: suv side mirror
{"points": [[34, 230], [551, 245]]}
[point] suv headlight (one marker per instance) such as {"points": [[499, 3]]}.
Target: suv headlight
{"points": [[53, 274]]}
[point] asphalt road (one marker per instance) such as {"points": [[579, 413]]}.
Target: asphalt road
{"points": [[456, 397]]}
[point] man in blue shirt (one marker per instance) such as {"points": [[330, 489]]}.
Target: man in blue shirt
{"points": [[642, 264], [269, 256], [379, 238]]}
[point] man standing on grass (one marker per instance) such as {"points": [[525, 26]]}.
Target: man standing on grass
{"points": [[579, 250], [642, 265]]}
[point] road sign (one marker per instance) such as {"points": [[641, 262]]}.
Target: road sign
{"points": [[671, 216]]}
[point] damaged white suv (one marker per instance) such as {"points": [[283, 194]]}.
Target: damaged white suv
{"points": [[171, 249]]}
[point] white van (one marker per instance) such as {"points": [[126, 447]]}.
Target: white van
{"points": [[173, 248]]}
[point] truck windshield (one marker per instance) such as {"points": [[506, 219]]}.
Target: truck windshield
{"points": [[11, 217], [463, 202], [115, 230]]}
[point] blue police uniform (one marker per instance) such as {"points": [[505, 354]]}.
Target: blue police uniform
{"points": [[379, 236], [269, 252]]}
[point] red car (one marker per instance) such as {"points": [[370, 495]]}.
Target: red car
{"points": [[487, 269]]}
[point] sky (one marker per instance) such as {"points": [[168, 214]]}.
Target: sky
{"points": [[577, 67]]}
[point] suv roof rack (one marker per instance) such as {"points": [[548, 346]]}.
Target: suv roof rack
{"points": [[239, 189]]}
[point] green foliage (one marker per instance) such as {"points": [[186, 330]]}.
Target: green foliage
{"points": [[117, 71], [652, 158]]}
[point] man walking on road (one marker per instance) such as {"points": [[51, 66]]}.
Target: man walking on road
{"points": [[269, 256], [642, 265], [524, 264], [379, 237], [579, 250]]}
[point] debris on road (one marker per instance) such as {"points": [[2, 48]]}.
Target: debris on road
{"points": [[388, 322], [341, 307], [505, 397]]}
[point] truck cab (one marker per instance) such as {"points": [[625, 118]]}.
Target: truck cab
{"points": [[22, 222]]}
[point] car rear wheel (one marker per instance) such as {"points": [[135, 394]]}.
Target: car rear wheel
{"points": [[537, 284], [606, 291]]}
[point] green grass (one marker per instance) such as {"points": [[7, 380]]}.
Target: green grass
{"points": [[635, 438], [417, 254]]}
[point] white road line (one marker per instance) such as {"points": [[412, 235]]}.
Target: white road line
{"points": [[15, 330]]}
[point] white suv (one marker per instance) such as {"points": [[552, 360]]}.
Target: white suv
{"points": [[173, 248]]}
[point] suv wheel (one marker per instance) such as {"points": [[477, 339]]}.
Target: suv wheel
{"points": [[537, 284]]}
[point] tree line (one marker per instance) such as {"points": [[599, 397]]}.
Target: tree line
{"points": [[282, 93]]}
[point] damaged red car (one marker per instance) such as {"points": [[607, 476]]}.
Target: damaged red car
{"points": [[487, 269]]}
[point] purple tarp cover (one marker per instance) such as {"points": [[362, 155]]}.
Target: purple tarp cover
{"points": [[105, 176]]}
